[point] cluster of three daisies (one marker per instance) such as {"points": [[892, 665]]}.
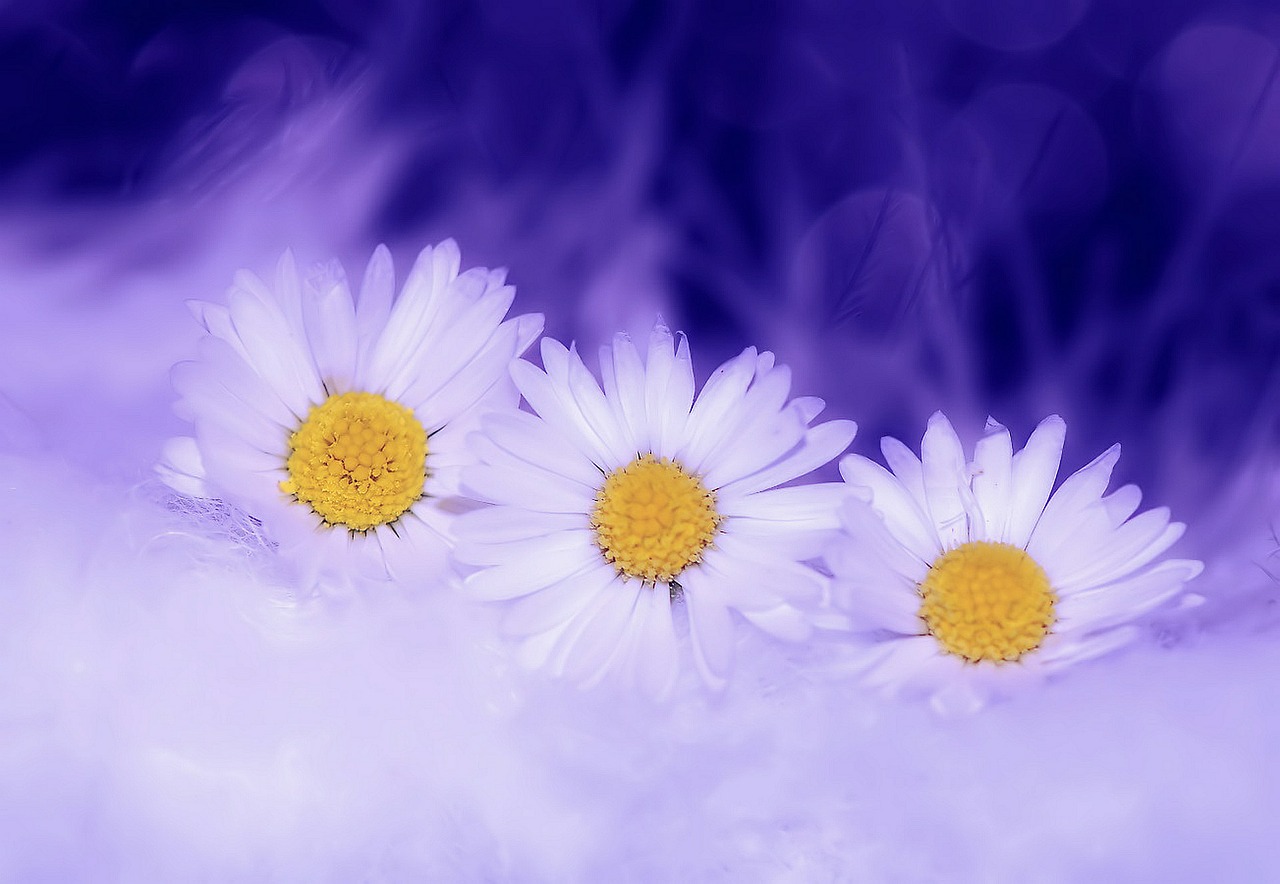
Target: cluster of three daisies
{"points": [[382, 432]]}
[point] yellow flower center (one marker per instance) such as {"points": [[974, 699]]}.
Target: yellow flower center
{"points": [[987, 601], [358, 460], [652, 519]]}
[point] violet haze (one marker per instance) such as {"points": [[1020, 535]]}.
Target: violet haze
{"points": [[985, 206]]}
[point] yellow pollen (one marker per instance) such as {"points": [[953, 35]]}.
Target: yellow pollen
{"points": [[652, 519], [358, 460], [987, 601]]}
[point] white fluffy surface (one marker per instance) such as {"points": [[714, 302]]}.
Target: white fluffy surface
{"points": [[171, 710]]}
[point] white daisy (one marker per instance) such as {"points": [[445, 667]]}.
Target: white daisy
{"points": [[615, 507], [969, 574], [339, 423]]}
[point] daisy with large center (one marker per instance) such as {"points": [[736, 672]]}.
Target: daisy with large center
{"points": [[957, 571], [612, 497], [339, 422]]}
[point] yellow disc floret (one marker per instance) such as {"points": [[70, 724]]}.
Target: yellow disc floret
{"points": [[987, 601], [358, 460], [652, 519]]}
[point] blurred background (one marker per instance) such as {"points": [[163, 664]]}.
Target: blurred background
{"points": [[998, 207], [990, 206]]}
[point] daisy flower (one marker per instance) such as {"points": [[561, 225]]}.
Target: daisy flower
{"points": [[616, 508], [970, 574], [339, 423]]}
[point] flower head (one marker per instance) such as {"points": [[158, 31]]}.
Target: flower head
{"points": [[964, 573], [617, 507], [339, 422]]}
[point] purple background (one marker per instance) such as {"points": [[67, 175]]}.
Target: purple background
{"points": [[1002, 207], [987, 206]]}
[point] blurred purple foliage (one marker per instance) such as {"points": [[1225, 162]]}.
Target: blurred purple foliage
{"points": [[1000, 207]]}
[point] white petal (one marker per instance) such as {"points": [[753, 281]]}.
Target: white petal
{"points": [[548, 608], [563, 416], [536, 650], [210, 401], [329, 315], [511, 581], [821, 445], [499, 524], [1057, 543], [993, 478], [915, 662], [943, 462], [809, 407], [1034, 469], [710, 630], [439, 511], [596, 411], [568, 634], [900, 511], [759, 430], [1122, 503], [561, 659], [530, 439], [484, 448], [412, 314], [783, 622], [736, 585], [753, 447], [713, 409], [483, 383], [445, 263], [221, 448], [413, 550], [373, 308], [624, 382], [801, 503], [440, 339], [1080, 490], [1060, 651], [181, 469], [215, 318], [223, 362], [1125, 600], [888, 604], [780, 540], [1129, 547], [907, 467], [595, 651], [275, 354], [867, 542], [622, 663], [656, 657], [780, 579], [231, 467], [288, 293], [528, 327], [525, 550], [543, 493], [464, 331], [449, 455], [669, 388]]}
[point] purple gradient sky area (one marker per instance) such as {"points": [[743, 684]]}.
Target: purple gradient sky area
{"points": [[985, 206]]}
